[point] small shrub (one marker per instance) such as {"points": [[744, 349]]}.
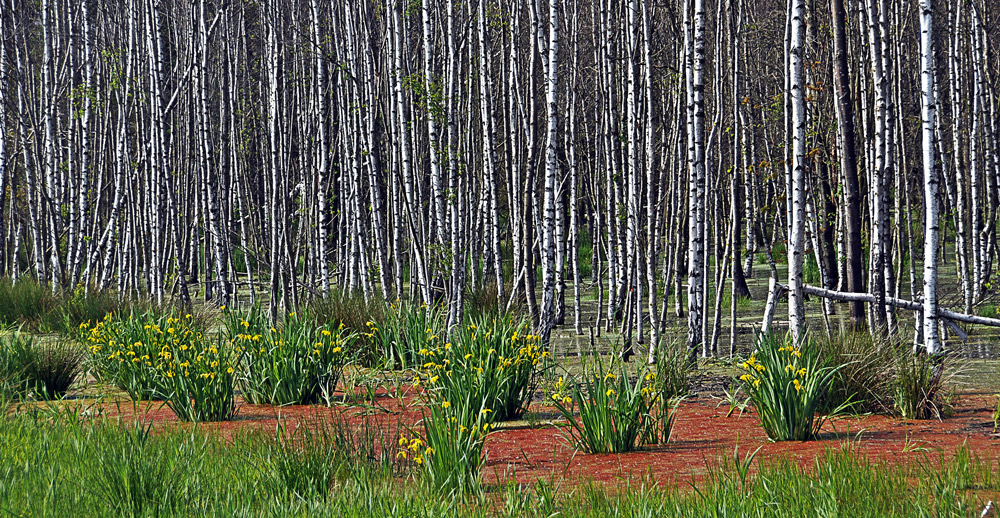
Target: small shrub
{"points": [[619, 410], [294, 362], [495, 360], [920, 384], [786, 382]]}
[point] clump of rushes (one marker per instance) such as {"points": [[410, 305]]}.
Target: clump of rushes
{"points": [[131, 353], [920, 384], [619, 410], [495, 361], [408, 329], [294, 362], [786, 381], [29, 368], [672, 369], [450, 451]]}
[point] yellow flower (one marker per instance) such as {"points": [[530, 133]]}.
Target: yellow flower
{"points": [[485, 411], [403, 440], [428, 452], [610, 393], [566, 400], [336, 350], [446, 404]]}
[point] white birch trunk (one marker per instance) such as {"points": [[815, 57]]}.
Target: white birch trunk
{"points": [[928, 113], [796, 217]]}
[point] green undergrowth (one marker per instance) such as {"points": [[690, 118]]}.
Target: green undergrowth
{"points": [[58, 463]]}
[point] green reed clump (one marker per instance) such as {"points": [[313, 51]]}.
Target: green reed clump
{"points": [[864, 375], [41, 369]]}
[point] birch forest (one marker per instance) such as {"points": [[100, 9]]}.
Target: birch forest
{"points": [[620, 166]]}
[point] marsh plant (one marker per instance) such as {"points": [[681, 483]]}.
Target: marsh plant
{"points": [[620, 408], [292, 362], [131, 351], [787, 381], [449, 452], [407, 330], [152, 356], [494, 362], [69, 465]]}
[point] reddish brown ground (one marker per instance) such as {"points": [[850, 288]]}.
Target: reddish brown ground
{"points": [[702, 435]]}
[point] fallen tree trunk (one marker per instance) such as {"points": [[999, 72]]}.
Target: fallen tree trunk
{"points": [[778, 289]]}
